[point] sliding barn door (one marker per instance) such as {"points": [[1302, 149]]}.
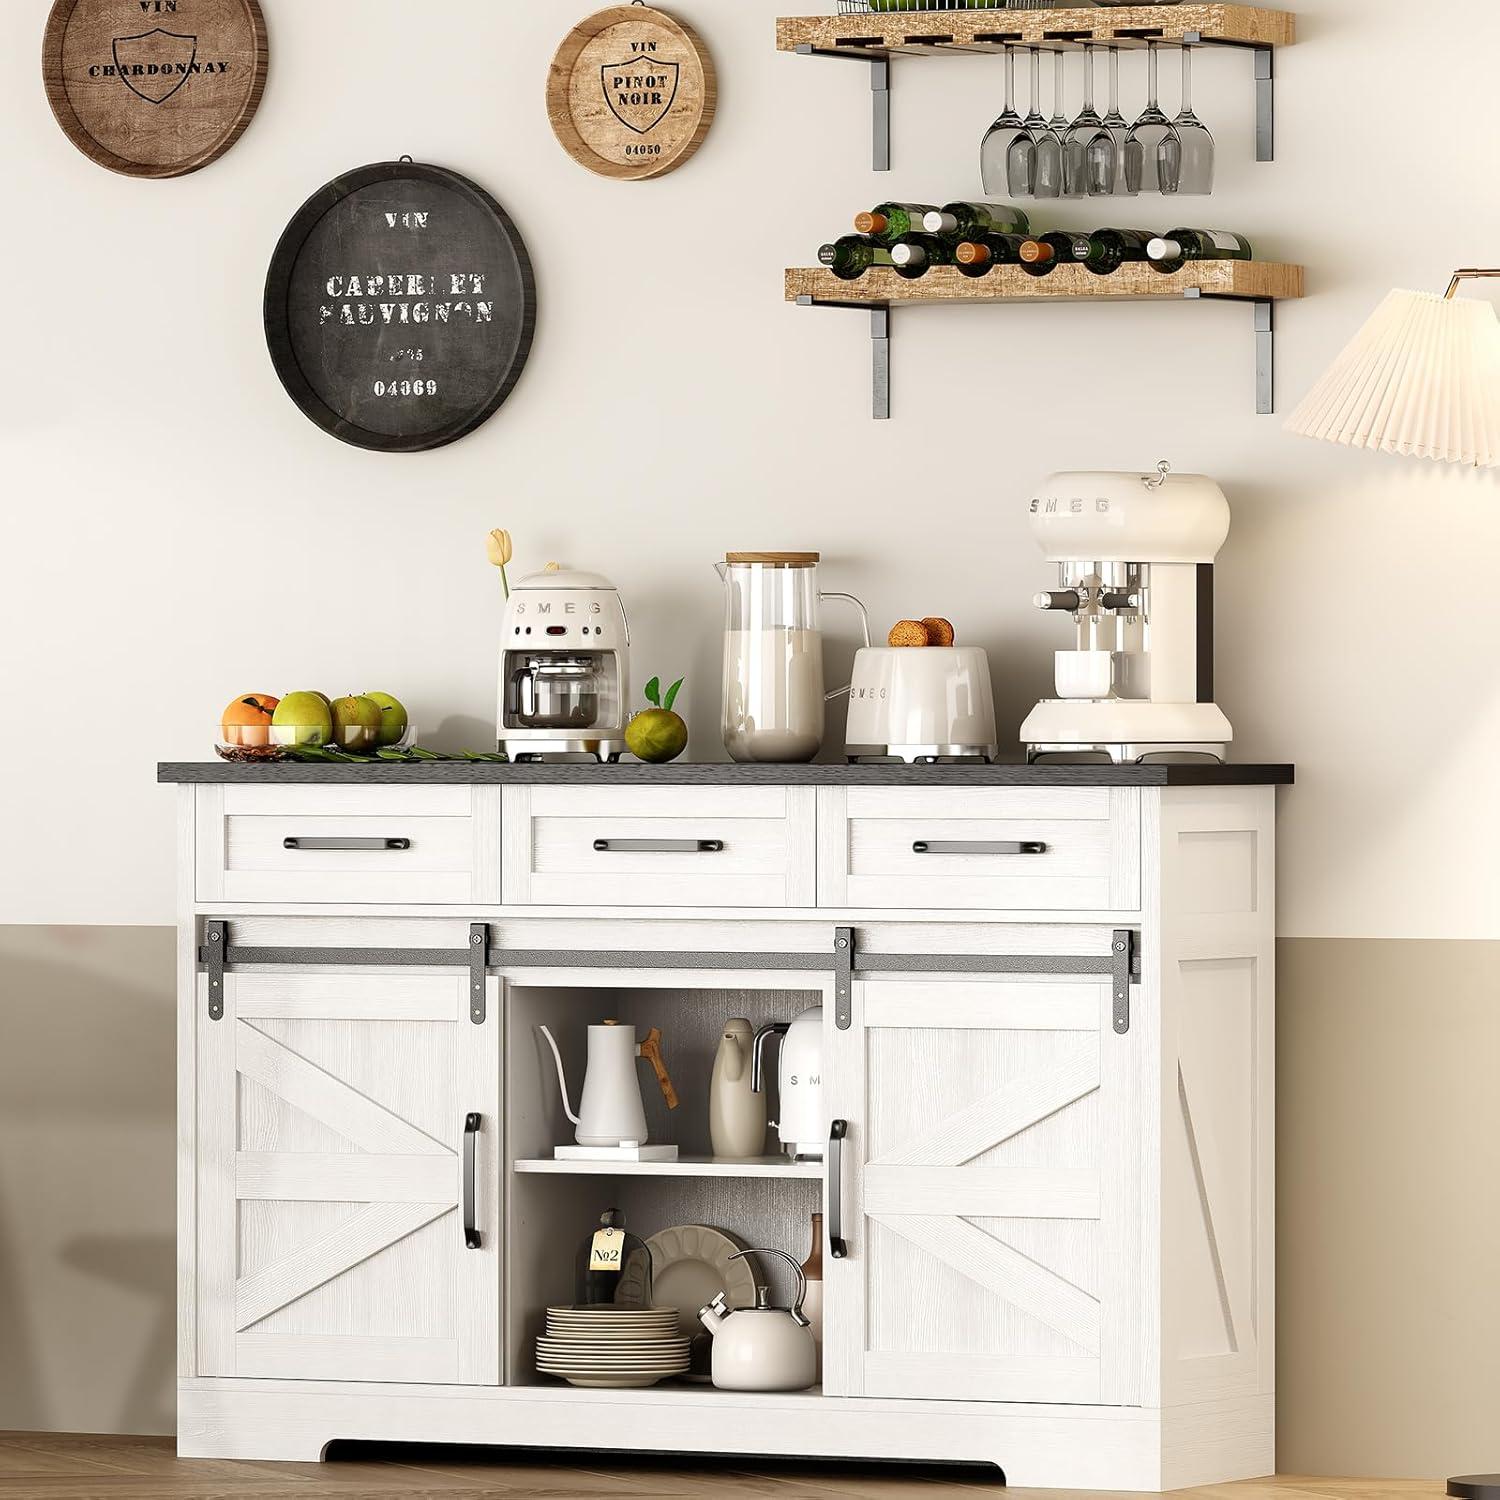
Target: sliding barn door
{"points": [[990, 1189], [331, 1117]]}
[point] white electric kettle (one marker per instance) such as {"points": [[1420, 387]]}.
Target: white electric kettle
{"points": [[802, 1124], [611, 1113]]}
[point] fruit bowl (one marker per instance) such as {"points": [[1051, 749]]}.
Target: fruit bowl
{"points": [[237, 750]]}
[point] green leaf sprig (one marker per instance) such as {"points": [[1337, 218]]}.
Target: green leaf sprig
{"points": [[653, 693]]}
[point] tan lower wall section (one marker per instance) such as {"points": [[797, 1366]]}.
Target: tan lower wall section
{"points": [[1388, 1166], [1389, 1197], [87, 1179]]}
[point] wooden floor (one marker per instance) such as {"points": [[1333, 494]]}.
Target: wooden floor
{"points": [[54, 1467]]}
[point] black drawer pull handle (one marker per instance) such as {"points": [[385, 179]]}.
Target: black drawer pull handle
{"points": [[977, 846], [838, 1247], [471, 1213], [658, 846], [303, 842]]}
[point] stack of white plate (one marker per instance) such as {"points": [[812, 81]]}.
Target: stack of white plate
{"points": [[612, 1347]]}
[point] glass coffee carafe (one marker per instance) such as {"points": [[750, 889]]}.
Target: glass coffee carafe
{"points": [[773, 655]]}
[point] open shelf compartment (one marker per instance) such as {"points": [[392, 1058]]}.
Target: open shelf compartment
{"points": [[1260, 283], [876, 38], [552, 1205]]}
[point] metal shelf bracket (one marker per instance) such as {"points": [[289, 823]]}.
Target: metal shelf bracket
{"points": [[1265, 89], [880, 349], [880, 98], [1265, 345]]}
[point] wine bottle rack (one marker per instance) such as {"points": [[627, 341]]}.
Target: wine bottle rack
{"points": [[875, 39], [1260, 283]]}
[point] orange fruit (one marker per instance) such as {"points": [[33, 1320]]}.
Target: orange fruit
{"points": [[247, 721]]}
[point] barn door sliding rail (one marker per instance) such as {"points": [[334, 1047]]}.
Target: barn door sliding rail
{"points": [[1122, 964]]}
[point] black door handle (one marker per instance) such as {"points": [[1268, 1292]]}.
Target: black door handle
{"points": [[838, 1247], [471, 1220]]}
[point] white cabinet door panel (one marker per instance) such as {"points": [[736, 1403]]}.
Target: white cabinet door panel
{"points": [[991, 1202], [330, 1163]]}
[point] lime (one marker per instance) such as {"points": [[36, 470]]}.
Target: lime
{"points": [[656, 735]]}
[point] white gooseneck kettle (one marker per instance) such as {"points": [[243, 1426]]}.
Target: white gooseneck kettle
{"points": [[610, 1112]]}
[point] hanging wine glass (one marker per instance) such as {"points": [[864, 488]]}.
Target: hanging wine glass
{"points": [[1107, 159], [1152, 150], [1020, 155], [995, 148], [1196, 170], [1081, 164], [1049, 146]]}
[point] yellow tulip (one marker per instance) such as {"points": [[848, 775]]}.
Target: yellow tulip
{"points": [[497, 545]]}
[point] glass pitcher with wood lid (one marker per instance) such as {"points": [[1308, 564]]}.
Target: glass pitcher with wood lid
{"points": [[773, 655]]}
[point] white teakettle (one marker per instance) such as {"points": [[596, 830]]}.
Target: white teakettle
{"points": [[802, 1124], [762, 1348], [611, 1113]]}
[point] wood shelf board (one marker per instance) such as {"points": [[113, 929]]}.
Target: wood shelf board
{"points": [[933, 33], [684, 1166], [1243, 279]]}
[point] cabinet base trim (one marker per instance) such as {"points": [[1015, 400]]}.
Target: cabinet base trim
{"points": [[1118, 1448]]}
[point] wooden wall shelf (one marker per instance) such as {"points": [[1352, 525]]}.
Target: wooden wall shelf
{"points": [[875, 39], [1260, 283]]}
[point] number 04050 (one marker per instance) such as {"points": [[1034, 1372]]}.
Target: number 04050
{"points": [[405, 387]]}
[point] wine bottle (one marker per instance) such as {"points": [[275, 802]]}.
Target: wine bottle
{"points": [[1106, 250], [1173, 250], [887, 222], [913, 255], [1040, 256], [850, 257], [979, 256], [968, 221]]}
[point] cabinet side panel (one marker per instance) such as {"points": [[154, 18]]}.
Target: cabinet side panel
{"points": [[1217, 1094], [187, 1099]]}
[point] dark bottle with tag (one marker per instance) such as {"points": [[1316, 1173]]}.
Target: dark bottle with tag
{"points": [[613, 1268]]}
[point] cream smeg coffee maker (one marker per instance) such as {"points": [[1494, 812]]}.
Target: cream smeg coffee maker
{"points": [[1135, 558], [564, 668]]}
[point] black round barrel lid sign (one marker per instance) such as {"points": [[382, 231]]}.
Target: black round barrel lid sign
{"points": [[400, 306]]}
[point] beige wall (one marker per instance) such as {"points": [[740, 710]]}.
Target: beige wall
{"points": [[176, 533]]}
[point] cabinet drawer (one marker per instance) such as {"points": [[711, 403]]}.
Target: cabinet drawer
{"points": [[418, 844], [989, 848], [659, 846]]}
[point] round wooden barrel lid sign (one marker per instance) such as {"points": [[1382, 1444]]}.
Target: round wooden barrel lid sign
{"points": [[154, 88], [631, 93], [400, 307]]}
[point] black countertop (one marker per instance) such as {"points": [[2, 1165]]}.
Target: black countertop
{"points": [[489, 773]]}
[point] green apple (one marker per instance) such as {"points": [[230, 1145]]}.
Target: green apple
{"points": [[393, 718], [302, 719], [356, 724]]}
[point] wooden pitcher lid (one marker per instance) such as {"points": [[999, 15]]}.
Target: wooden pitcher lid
{"points": [[776, 559]]}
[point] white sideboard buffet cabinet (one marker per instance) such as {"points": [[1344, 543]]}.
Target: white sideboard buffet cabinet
{"points": [[1048, 1069]]}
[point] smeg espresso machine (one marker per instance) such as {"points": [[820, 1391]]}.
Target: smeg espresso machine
{"points": [[564, 668], [1135, 558]]}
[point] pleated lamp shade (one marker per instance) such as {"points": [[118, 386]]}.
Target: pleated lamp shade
{"points": [[1422, 377]]}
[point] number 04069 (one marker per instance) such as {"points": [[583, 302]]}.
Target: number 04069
{"points": [[405, 388]]}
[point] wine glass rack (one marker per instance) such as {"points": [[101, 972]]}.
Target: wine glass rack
{"points": [[876, 37], [1259, 283]]}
